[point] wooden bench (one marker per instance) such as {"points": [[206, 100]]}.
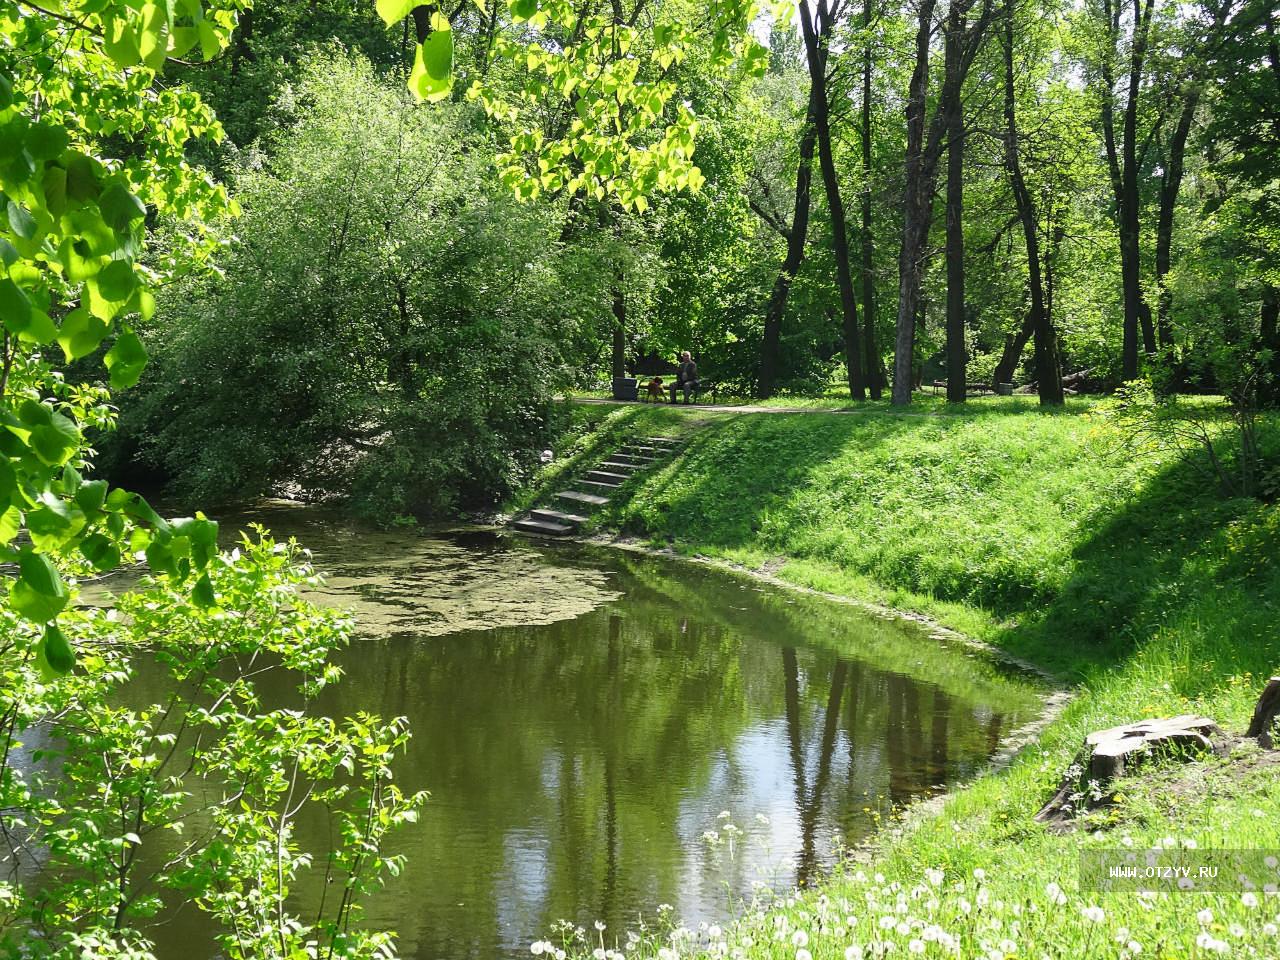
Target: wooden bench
{"points": [[704, 386], [970, 389]]}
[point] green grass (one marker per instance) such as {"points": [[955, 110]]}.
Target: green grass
{"points": [[1132, 580]]}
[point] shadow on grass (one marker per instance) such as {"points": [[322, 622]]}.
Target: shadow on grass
{"points": [[1089, 566]]}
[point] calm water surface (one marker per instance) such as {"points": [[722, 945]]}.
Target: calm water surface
{"points": [[582, 718]]}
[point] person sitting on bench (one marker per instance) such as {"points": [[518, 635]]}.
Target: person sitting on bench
{"points": [[686, 377]]}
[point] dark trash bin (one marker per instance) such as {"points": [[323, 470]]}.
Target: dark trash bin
{"points": [[626, 388], [1004, 389]]}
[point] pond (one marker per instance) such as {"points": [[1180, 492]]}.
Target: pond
{"points": [[589, 723]]}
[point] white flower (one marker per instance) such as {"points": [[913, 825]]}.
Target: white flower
{"points": [[1189, 844], [916, 946], [1271, 862], [714, 932], [536, 947], [902, 929], [1236, 930], [1008, 946], [1249, 900], [1270, 929], [560, 954], [666, 953], [853, 952], [1055, 894], [979, 874], [799, 939], [600, 925], [887, 922], [1205, 916], [1093, 914], [1134, 947], [803, 954], [933, 876], [598, 953], [1185, 883]]}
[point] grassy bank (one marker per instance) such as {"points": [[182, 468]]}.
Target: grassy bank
{"points": [[1130, 578]]}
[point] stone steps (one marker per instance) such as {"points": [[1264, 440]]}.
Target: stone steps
{"points": [[544, 528], [594, 488], [555, 516], [578, 496], [597, 485]]}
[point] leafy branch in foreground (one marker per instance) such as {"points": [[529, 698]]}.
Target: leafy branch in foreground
{"points": [[141, 762]]}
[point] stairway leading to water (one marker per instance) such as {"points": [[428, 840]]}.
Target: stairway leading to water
{"points": [[595, 488]]}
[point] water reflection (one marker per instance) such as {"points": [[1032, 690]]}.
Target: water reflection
{"points": [[577, 759]]}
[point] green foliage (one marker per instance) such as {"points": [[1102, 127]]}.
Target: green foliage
{"points": [[396, 315], [138, 764]]}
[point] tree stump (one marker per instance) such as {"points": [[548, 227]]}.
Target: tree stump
{"points": [[1111, 753], [1265, 714]]}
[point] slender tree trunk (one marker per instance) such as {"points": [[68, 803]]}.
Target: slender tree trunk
{"points": [[957, 359], [1170, 185], [816, 39], [916, 197], [1123, 162], [1014, 344], [874, 369], [619, 330], [770, 349], [1048, 366]]}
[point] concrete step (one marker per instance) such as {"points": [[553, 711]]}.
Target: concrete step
{"points": [[638, 459], [598, 485], [544, 528], [646, 451], [606, 476], [577, 496], [555, 516], [663, 441], [616, 466]]}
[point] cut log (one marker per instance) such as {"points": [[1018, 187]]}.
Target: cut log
{"points": [[1265, 714], [1116, 751]]}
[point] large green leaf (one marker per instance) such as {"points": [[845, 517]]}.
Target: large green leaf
{"points": [[120, 207], [126, 360], [55, 441], [56, 651], [39, 593], [117, 281], [80, 334], [432, 75], [100, 551], [15, 307], [393, 11]]}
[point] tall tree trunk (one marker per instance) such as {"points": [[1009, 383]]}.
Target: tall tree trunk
{"points": [[1170, 185], [770, 348], [816, 39], [957, 359], [874, 368], [1048, 366], [1123, 164], [619, 329], [917, 195], [1014, 344]]}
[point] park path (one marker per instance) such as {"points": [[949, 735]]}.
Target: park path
{"points": [[756, 408]]}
